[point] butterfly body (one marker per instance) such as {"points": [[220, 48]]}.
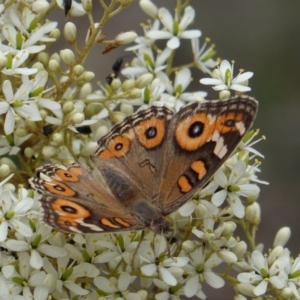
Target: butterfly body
{"points": [[152, 163]]}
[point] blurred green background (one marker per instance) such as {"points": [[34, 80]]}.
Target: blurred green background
{"points": [[262, 36]]}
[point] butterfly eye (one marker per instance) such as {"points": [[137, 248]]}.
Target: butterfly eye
{"points": [[196, 129]]}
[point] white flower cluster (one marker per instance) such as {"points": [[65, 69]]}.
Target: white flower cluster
{"points": [[50, 111]]}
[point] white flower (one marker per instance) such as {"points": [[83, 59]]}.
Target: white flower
{"points": [[37, 245], [27, 36], [291, 273], [144, 41], [64, 276], [17, 60], [22, 276], [234, 186], [12, 213], [199, 269], [223, 79], [118, 247], [263, 274], [117, 288], [10, 145], [38, 89], [17, 103], [147, 63], [247, 142], [156, 261], [189, 207], [168, 293], [203, 56], [175, 96], [175, 30]]}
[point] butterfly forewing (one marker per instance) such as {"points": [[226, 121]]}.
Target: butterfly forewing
{"points": [[201, 137]]}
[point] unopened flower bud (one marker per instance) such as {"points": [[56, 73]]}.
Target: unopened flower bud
{"points": [[79, 70], [188, 246], [88, 76], [39, 66], [143, 81], [32, 126], [28, 152], [143, 294], [229, 228], [282, 236], [253, 213], [4, 170], [287, 293], [135, 93], [55, 33], [40, 6], [117, 117], [116, 84], [89, 148], [68, 107], [275, 254], [225, 94], [127, 109], [100, 132], [7, 161], [43, 57], [43, 114], [54, 65], [149, 8], [70, 32], [55, 56], [127, 84], [21, 131], [246, 289], [58, 138], [87, 5], [92, 109], [78, 118], [67, 56], [240, 249], [125, 38], [48, 151], [227, 256], [10, 186], [85, 90]]}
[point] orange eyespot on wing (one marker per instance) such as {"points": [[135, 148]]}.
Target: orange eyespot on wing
{"points": [[70, 175], [193, 132], [59, 188], [70, 209], [150, 133], [227, 122], [117, 147]]}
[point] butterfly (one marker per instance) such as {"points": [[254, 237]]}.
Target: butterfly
{"points": [[152, 163]]}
